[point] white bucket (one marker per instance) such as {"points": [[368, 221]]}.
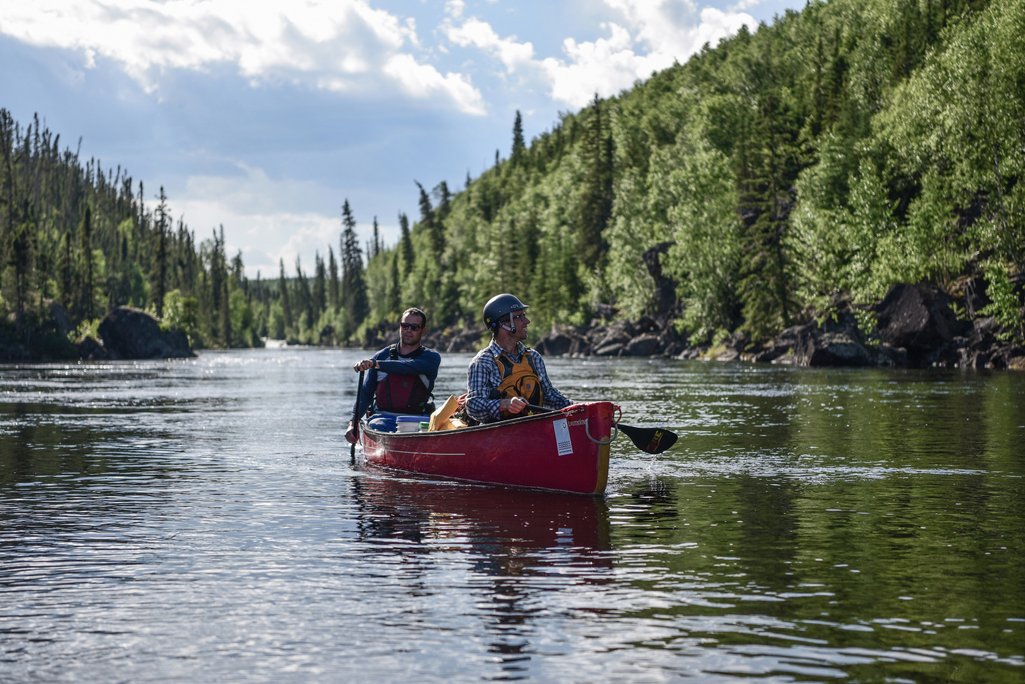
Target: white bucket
{"points": [[407, 424]]}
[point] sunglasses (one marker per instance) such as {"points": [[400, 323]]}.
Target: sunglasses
{"points": [[410, 326]]}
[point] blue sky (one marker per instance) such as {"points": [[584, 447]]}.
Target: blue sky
{"points": [[265, 116]]}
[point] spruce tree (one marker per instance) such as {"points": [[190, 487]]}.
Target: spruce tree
{"points": [[519, 147], [405, 245], [333, 284], [286, 300], [354, 288], [595, 208], [160, 276]]}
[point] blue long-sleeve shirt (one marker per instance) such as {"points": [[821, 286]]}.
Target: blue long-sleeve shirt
{"points": [[483, 376], [424, 361]]}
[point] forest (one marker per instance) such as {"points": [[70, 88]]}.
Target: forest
{"points": [[812, 163]]}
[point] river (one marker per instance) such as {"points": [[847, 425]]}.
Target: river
{"points": [[200, 520]]}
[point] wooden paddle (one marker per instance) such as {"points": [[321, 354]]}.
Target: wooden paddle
{"points": [[355, 419], [649, 440]]}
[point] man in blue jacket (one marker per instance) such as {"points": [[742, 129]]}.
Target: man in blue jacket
{"points": [[400, 378]]}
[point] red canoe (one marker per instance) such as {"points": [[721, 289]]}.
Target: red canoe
{"points": [[566, 451]]}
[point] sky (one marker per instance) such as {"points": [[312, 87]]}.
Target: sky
{"points": [[265, 116]]}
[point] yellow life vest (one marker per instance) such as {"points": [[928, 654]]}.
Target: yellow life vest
{"points": [[519, 379]]}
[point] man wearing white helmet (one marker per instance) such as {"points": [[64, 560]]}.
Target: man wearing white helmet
{"points": [[507, 376]]}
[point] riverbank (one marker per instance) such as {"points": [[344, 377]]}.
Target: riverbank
{"points": [[915, 327]]}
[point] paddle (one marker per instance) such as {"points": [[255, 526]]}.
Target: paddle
{"points": [[650, 440], [355, 419]]}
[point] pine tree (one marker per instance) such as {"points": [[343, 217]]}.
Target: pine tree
{"points": [[405, 245], [519, 147], [319, 284], [354, 288], [375, 243], [85, 306], [160, 280], [333, 284], [286, 303], [595, 207]]}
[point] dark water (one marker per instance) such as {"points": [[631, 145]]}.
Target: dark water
{"points": [[199, 520]]}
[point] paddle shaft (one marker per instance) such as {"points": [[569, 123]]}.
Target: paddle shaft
{"points": [[355, 418], [650, 440]]}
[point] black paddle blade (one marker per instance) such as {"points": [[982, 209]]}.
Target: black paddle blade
{"points": [[651, 440]]}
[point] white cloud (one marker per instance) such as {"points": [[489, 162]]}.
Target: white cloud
{"points": [[676, 29], [340, 45], [455, 8], [422, 80], [256, 211], [604, 66], [647, 36], [476, 33]]}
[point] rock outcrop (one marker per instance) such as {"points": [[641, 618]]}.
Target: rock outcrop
{"points": [[130, 333]]}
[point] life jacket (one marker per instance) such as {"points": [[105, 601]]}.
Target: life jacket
{"points": [[519, 379], [398, 393]]}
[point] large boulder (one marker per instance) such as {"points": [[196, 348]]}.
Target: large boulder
{"points": [[645, 345], [557, 343], [917, 318], [133, 334]]}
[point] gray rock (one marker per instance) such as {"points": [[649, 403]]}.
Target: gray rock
{"points": [[129, 333], [838, 349], [917, 318], [645, 345], [610, 349]]}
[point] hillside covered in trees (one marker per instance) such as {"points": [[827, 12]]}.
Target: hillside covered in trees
{"points": [[770, 180]]}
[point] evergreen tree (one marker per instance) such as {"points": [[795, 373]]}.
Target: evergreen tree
{"points": [[334, 299], [85, 306], [595, 204], [519, 147], [354, 290], [160, 276], [319, 284], [284, 297], [405, 245], [375, 244]]}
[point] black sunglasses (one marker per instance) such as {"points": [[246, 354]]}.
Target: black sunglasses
{"points": [[410, 326]]}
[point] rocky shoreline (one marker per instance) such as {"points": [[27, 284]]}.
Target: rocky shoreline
{"points": [[916, 328], [124, 333]]}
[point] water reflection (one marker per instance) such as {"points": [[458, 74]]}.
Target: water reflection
{"points": [[515, 547], [200, 520]]}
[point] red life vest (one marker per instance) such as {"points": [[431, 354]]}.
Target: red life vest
{"points": [[399, 393]]}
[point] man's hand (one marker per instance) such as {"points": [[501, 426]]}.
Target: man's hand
{"points": [[365, 364], [513, 406], [350, 434]]}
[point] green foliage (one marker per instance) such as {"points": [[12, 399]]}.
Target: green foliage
{"points": [[1005, 305], [182, 312], [81, 236], [841, 150], [705, 256], [85, 329]]}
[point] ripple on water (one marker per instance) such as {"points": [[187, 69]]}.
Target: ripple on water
{"points": [[199, 519]]}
